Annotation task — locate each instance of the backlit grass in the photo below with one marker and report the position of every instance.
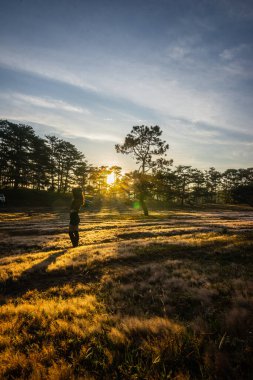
(166, 297)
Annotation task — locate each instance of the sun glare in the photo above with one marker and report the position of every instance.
(110, 178)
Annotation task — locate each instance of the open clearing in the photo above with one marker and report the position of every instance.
(164, 297)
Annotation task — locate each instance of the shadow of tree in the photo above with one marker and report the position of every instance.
(38, 276)
(191, 282)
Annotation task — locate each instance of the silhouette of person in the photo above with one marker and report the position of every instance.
(74, 218)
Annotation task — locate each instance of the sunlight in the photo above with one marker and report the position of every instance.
(110, 178)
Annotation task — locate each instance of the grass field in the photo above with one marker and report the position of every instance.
(164, 297)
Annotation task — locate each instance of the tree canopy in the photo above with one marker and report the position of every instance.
(53, 164)
(144, 143)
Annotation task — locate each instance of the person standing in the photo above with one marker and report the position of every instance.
(74, 218)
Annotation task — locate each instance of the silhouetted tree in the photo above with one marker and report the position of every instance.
(64, 159)
(245, 176)
(230, 179)
(184, 178)
(53, 144)
(16, 145)
(164, 180)
(126, 186)
(144, 143)
(40, 163)
(243, 194)
(198, 186)
(213, 181)
(81, 172)
(30, 161)
(98, 180)
(70, 159)
(27, 160)
(4, 164)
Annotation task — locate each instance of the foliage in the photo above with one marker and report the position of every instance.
(18, 147)
(144, 143)
(52, 164)
(243, 194)
(32, 162)
(23, 197)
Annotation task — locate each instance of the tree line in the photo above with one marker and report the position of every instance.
(53, 164)
(27, 160)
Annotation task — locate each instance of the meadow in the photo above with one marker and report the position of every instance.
(169, 296)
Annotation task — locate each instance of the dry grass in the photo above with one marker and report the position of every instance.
(164, 297)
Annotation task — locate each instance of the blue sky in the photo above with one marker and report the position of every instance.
(89, 70)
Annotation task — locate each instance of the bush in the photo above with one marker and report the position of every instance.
(243, 194)
(35, 198)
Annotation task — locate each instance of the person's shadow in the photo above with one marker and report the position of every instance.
(43, 265)
(35, 277)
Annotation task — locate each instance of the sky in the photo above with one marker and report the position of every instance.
(89, 70)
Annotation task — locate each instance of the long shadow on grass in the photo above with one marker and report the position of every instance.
(33, 277)
(37, 277)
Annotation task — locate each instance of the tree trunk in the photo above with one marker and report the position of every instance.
(143, 205)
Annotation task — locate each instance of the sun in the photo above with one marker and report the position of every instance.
(110, 178)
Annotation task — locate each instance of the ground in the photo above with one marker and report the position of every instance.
(168, 296)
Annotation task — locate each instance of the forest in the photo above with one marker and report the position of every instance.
(55, 165)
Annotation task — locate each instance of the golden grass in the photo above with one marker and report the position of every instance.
(12, 267)
(167, 297)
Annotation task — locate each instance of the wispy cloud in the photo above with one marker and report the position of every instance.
(49, 103)
(237, 61)
(149, 85)
(189, 72)
(229, 54)
(43, 63)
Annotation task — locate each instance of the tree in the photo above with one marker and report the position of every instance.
(81, 173)
(97, 180)
(4, 164)
(31, 161)
(16, 143)
(198, 191)
(243, 194)
(233, 179)
(126, 187)
(64, 160)
(52, 143)
(144, 143)
(114, 189)
(164, 180)
(184, 178)
(70, 158)
(213, 178)
(40, 163)
(230, 179)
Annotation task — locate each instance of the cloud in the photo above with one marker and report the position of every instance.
(178, 52)
(224, 136)
(230, 54)
(49, 103)
(42, 62)
(238, 61)
(165, 90)
(182, 73)
(61, 126)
